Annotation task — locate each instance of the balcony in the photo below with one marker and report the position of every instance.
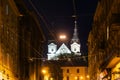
(113, 62)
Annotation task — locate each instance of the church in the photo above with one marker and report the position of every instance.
(73, 68)
(54, 51)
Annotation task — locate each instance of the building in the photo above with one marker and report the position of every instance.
(54, 53)
(19, 42)
(75, 73)
(67, 63)
(9, 17)
(104, 42)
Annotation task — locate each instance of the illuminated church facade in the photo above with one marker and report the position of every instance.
(54, 51)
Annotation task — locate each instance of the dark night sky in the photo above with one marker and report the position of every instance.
(58, 15)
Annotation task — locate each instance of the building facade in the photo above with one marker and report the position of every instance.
(66, 67)
(19, 43)
(75, 73)
(104, 42)
(9, 63)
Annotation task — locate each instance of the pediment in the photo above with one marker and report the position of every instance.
(63, 49)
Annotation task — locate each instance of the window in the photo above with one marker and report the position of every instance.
(107, 32)
(8, 60)
(74, 49)
(67, 77)
(78, 71)
(52, 50)
(6, 9)
(67, 70)
(63, 50)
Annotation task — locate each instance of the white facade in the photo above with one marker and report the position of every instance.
(53, 52)
(63, 49)
(75, 48)
(52, 48)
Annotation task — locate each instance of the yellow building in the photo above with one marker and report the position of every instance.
(104, 42)
(8, 40)
(17, 39)
(116, 72)
(65, 70)
(75, 73)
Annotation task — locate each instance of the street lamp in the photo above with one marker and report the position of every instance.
(81, 77)
(45, 72)
(88, 77)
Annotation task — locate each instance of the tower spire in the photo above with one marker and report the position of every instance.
(75, 34)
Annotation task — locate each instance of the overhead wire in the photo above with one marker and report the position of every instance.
(44, 22)
(39, 54)
(38, 13)
(36, 51)
(74, 9)
(71, 58)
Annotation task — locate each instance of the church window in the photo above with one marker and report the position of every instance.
(74, 49)
(63, 50)
(52, 49)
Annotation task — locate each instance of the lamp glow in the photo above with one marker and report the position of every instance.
(44, 71)
(62, 37)
(88, 76)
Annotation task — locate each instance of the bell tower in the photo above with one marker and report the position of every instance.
(75, 43)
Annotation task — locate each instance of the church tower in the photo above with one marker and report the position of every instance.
(75, 43)
(52, 48)
(75, 34)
